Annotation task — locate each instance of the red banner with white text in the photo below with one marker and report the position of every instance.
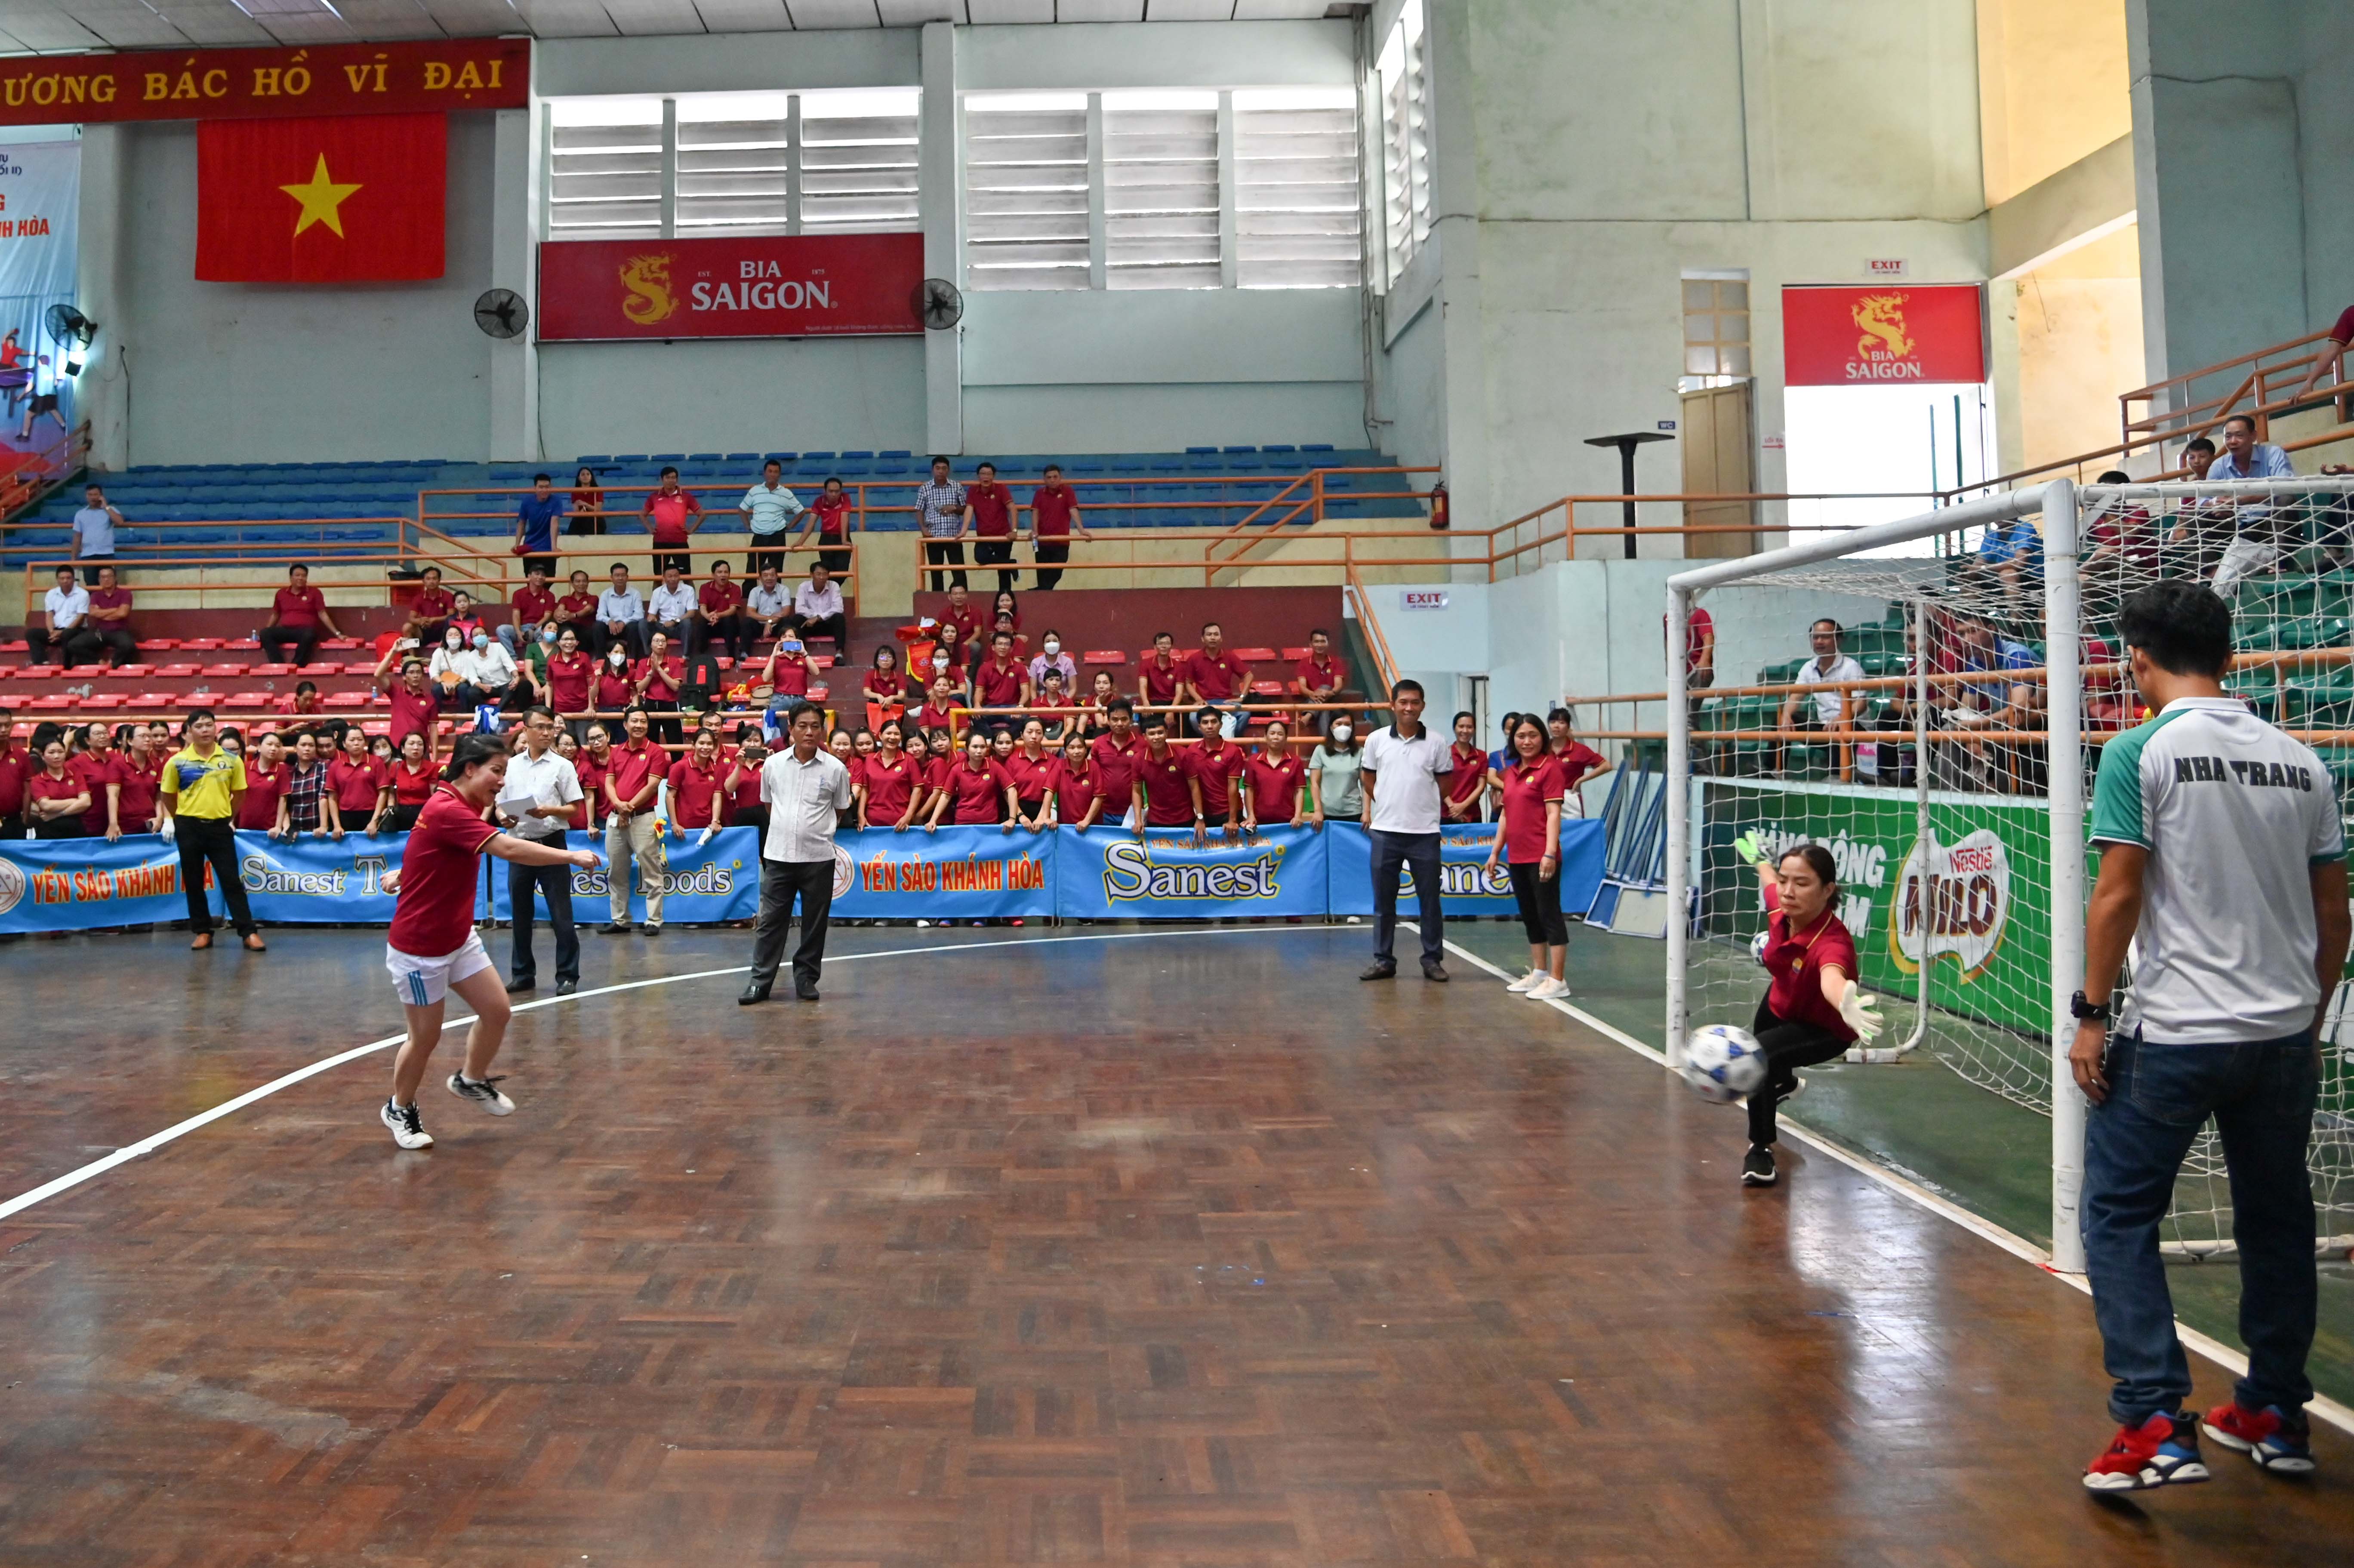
(429, 76)
(804, 285)
(1873, 336)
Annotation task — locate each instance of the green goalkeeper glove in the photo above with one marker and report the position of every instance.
(1751, 852)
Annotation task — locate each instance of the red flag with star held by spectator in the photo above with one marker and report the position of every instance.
(344, 199)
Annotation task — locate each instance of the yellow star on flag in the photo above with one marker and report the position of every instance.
(322, 199)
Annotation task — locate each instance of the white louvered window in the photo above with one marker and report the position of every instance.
(1026, 210)
(734, 164)
(1405, 71)
(605, 168)
(1298, 202)
(1161, 190)
(859, 161)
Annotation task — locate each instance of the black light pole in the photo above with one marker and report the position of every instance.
(1626, 445)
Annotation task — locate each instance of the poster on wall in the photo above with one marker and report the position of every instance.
(40, 194)
(803, 285)
(1883, 334)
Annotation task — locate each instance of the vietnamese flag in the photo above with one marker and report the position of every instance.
(341, 199)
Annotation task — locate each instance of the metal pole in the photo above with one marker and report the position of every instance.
(2065, 746)
(1626, 484)
(1679, 804)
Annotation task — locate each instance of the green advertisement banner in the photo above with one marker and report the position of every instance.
(1970, 900)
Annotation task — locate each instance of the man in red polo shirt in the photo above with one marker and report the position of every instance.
(989, 506)
(720, 616)
(1054, 523)
(633, 769)
(1215, 678)
(434, 605)
(1161, 683)
(16, 769)
(297, 613)
(1115, 753)
(109, 618)
(533, 605)
(415, 709)
(1217, 764)
(672, 516)
(694, 781)
(1166, 794)
(1319, 677)
(577, 611)
(960, 624)
(1003, 681)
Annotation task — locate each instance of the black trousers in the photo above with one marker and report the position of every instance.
(1417, 852)
(210, 841)
(665, 558)
(764, 556)
(781, 882)
(75, 645)
(556, 883)
(948, 551)
(734, 632)
(1540, 905)
(1787, 1046)
(834, 626)
(993, 552)
(276, 640)
(1057, 552)
(837, 561)
(632, 636)
(545, 563)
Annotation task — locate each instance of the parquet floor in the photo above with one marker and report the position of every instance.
(1172, 1252)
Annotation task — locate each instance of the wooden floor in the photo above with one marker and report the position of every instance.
(1185, 1250)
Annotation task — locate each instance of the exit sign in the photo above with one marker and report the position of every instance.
(1422, 599)
(1885, 267)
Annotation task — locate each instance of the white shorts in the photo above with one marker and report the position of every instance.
(422, 982)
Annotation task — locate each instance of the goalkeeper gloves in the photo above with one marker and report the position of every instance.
(1751, 852)
(1861, 1013)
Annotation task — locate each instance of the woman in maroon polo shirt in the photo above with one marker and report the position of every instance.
(265, 786)
(1271, 782)
(569, 672)
(1529, 841)
(413, 778)
(1031, 769)
(658, 675)
(976, 792)
(889, 786)
(357, 786)
(695, 786)
(56, 796)
(1077, 797)
(1466, 787)
(594, 761)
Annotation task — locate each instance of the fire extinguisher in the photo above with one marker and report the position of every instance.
(1438, 504)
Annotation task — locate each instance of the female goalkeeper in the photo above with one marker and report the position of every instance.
(1815, 1009)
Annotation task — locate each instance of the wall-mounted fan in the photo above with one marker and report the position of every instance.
(500, 313)
(939, 304)
(73, 331)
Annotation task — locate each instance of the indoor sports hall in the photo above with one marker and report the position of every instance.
(1175, 782)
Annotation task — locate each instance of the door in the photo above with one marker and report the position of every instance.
(1720, 459)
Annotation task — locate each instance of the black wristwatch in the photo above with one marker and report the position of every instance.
(2087, 1011)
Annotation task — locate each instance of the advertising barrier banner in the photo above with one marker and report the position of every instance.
(1108, 874)
(701, 882)
(1463, 855)
(954, 874)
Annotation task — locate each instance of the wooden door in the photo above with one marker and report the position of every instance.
(1720, 459)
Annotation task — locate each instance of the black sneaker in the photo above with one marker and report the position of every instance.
(483, 1092)
(518, 987)
(1757, 1167)
(407, 1127)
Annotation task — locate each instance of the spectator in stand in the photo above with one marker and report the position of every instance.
(265, 786)
(960, 623)
(786, 673)
(536, 519)
(1335, 769)
(1699, 653)
(829, 515)
(1000, 682)
(535, 803)
(1054, 524)
(1272, 790)
(1032, 767)
(1164, 793)
(2265, 531)
(887, 788)
(57, 797)
(818, 610)
(464, 616)
(671, 515)
(671, 609)
(614, 687)
(2010, 555)
(304, 705)
(989, 507)
(1984, 705)
(593, 763)
(1006, 609)
(1010, 624)
(298, 613)
(1402, 817)
(2200, 531)
(531, 664)
(1466, 787)
(769, 509)
(1319, 678)
(134, 782)
(768, 606)
(742, 782)
(109, 618)
(1076, 799)
(359, 788)
(17, 767)
(1050, 656)
(411, 696)
(1115, 753)
(806, 789)
(588, 504)
(701, 682)
(491, 670)
(1577, 761)
(885, 690)
(657, 676)
(577, 611)
(1834, 705)
(1216, 764)
(381, 748)
(533, 606)
(1214, 678)
(433, 605)
(1528, 839)
(200, 792)
(447, 672)
(2330, 361)
(411, 779)
(1160, 681)
(1094, 709)
(634, 776)
(940, 708)
(93, 532)
(93, 762)
(941, 517)
(845, 747)
(720, 616)
(1054, 707)
(233, 743)
(621, 615)
(68, 633)
(976, 791)
(695, 789)
(304, 805)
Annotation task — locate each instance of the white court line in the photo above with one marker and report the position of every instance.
(2214, 1350)
(129, 1152)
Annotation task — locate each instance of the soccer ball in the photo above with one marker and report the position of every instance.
(1757, 947)
(1722, 1063)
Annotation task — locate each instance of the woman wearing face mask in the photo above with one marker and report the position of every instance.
(1052, 656)
(490, 668)
(616, 687)
(1334, 787)
(446, 671)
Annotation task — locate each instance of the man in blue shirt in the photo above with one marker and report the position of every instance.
(1991, 704)
(536, 521)
(2263, 531)
(93, 532)
(2013, 554)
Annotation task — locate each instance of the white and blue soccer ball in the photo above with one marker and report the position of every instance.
(1757, 947)
(1723, 1063)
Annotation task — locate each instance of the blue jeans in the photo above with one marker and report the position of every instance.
(1419, 854)
(2261, 1094)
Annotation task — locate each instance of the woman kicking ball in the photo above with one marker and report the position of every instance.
(1815, 1009)
(435, 881)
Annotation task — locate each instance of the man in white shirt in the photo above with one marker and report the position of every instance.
(535, 804)
(93, 532)
(1400, 769)
(488, 667)
(1831, 707)
(817, 609)
(621, 615)
(771, 509)
(671, 609)
(68, 632)
(2261, 536)
(803, 787)
(770, 603)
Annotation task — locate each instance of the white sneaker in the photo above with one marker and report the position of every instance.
(923, 925)
(1528, 982)
(1546, 990)
(408, 1128)
(483, 1092)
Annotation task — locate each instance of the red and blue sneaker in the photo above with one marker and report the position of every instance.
(2163, 1451)
(2279, 1443)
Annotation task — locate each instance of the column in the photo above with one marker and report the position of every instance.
(937, 206)
(514, 224)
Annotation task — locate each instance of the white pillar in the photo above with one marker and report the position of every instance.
(104, 395)
(514, 225)
(1680, 826)
(936, 204)
(2062, 649)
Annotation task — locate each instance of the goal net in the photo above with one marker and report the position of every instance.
(1927, 699)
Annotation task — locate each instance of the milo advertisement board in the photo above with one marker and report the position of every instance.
(1969, 900)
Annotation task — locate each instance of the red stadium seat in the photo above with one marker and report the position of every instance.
(200, 644)
(85, 672)
(225, 672)
(1266, 688)
(313, 672)
(156, 702)
(341, 644)
(1256, 655)
(11, 702)
(104, 700)
(55, 703)
(271, 670)
(130, 673)
(179, 672)
(1110, 658)
(1295, 655)
(158, 644)
(244, 701)
(371, 728)
(18, 646)
(37, 673)
(344, 700)
(244, 645)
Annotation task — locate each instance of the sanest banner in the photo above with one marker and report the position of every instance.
(1108, 874)
(1463, 855)
(255, 84)
(808, 285)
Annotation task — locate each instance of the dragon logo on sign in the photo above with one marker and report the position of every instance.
(647, 280)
